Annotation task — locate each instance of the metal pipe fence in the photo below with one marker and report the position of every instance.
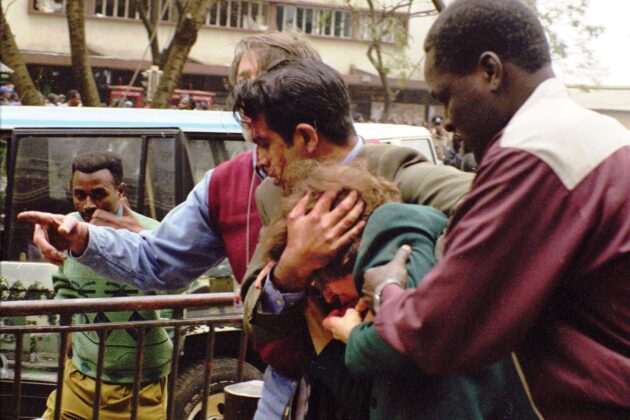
(182, 318)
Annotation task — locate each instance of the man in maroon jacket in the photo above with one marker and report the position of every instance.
(537, 259)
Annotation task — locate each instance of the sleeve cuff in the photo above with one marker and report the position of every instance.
(275, 302)
(390, 292)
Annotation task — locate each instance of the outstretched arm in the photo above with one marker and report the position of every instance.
(181, 249)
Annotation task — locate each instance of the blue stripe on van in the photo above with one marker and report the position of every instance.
(18, 123)
(68, 117)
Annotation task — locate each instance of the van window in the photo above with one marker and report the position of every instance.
(159, 179)
(207, 153)
(42, 175)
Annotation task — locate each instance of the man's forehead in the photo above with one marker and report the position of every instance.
(254, 129)
(429, 59)
(247, 67)
(102, 175)
(430, 69)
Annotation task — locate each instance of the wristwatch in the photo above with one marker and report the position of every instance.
(376, 299)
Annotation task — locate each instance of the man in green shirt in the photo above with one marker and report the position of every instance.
(97, 191)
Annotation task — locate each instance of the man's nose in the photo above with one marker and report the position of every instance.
(328, 296)
(262, 159)
(89, 204)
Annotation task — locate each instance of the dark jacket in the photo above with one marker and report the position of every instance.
(400, 389)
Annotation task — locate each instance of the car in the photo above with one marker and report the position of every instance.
(416, 137)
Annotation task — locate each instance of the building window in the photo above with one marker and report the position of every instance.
(390, 28)
(238, 14)
(243, 14)
(50, 6)
(115, 8)
(314, 21)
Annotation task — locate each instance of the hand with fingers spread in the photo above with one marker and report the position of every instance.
(377, 278)
(315, 237)
(55, 233)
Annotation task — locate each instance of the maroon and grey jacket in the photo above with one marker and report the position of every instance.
(537, 264)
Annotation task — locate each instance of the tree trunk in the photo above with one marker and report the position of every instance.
(81, 68)
(376, 59)
(150, 17)
(11, 56)
(177, 52)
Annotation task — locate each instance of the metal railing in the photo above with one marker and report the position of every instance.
(178, 303)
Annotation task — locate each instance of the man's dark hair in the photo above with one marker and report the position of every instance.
(294, 92)
(91, 162)
(467, 28)
(72, 93)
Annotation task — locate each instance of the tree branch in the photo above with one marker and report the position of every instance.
(150, 24)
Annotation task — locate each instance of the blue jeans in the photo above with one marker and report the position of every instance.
(277, 391)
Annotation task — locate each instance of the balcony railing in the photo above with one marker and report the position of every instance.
(194, 310)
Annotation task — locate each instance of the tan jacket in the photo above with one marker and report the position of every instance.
(419, 181)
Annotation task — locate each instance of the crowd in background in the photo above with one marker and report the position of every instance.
(450, 148)
(8, 96)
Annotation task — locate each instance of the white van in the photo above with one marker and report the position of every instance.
(166, 152)
(416, 137)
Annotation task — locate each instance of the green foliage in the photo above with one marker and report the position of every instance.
(4, 288)
(17, 291)
(570, 35)
(37, 291)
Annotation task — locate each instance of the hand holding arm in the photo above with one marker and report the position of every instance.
(394, 272)
(55, 233)
(315, 237)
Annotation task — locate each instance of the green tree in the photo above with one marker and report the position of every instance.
(569, 34)
(384, 28)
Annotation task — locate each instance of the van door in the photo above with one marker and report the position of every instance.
(3, 183)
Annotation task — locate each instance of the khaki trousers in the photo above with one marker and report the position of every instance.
(116, 399)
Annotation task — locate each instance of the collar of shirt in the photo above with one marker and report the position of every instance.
(353, 153)
(259, 171)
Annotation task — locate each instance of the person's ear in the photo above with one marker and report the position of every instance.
(121, 188)
(492, 69)
(307, 135)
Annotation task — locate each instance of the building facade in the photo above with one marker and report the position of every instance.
(613, 101)
(119, 45)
